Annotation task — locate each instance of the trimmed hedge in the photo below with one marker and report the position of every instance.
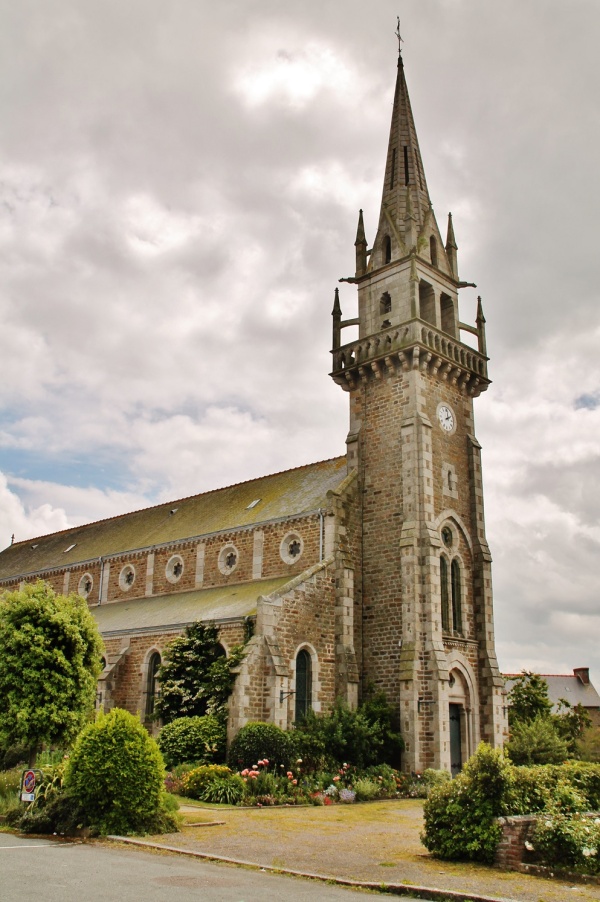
(201, 740)
(256, 741)
(116, 773)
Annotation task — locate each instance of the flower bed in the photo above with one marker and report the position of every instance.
(264, 784)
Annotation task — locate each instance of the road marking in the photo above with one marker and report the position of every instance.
(37, 845)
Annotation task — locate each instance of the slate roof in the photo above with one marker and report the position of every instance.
(179, 609)
(281, 495)
(567, 686)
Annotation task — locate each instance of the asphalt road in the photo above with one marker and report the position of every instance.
(41, 870)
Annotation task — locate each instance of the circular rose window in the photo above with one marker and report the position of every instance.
(228, 559)
(291, 548)
(127, 577)
(174, 568)
(86, 584)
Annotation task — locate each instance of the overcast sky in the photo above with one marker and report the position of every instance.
(180, 184)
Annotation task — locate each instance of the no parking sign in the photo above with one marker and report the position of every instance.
(28, 783)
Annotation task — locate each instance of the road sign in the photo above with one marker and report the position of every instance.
(28, 782)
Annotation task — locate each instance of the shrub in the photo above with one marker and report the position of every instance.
(258, 740)
(363, 737)
(13, 755)
(174, 778)
(588, 745)
(116, 771)
(10, 781)
(387, 778)
(536, 742)
(366, 790)
(570, 841)
(460, 815)
(193, 739)
(533, 788)
(432, 778)
(213, 783)
(61, 814)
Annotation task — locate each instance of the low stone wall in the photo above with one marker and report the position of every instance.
(516, 831)
(511, 850)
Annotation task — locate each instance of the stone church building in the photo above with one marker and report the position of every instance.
(368, 570)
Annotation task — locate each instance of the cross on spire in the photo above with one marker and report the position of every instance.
(399, 36)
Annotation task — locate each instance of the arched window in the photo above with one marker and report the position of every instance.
(445, 595)
(433, 250)
(303, 684)
(387, 249)
(151, 683)
(385, 303)
(456, 597)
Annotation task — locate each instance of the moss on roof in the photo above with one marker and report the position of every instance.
(283, 494)
(181, 608)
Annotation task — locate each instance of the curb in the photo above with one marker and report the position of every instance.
(393, 889)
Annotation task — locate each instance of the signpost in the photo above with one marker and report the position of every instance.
(29, 780)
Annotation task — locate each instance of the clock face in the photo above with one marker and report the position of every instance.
(446, 418)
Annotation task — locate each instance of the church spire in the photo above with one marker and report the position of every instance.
(405, 195)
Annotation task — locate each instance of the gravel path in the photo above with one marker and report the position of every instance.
(376, 842)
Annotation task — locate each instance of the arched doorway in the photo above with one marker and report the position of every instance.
(459, 721)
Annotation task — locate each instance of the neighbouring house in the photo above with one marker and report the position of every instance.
(576, 688)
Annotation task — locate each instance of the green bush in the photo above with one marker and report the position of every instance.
(116, 771)
(536, 742)
(569, 841)
(362, 737)
(12, 756)
(432, 778)
(533, 788)
(256, 741)
(213, 783)
(10, 782)
(386, 776)
(63, 814)
(460, 815)
(193, 739)
(366, 790)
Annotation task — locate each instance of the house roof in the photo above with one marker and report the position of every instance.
(179, 609)
(281, 495)
(568, 686)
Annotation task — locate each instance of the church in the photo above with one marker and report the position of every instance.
(370, 571)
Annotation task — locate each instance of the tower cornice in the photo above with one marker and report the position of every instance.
(414, 345)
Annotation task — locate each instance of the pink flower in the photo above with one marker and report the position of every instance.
(335, 779)
(289, 775)
(245, 772)
(265, 761)
(295, 782)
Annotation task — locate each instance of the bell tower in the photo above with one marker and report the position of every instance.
(427, 621)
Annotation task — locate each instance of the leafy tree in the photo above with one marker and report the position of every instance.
(50, 652)
(588, 744)
(528, 698)
(195, 676)
(536, 742)
(571, 722)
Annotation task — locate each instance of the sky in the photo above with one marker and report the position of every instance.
(180, 184)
